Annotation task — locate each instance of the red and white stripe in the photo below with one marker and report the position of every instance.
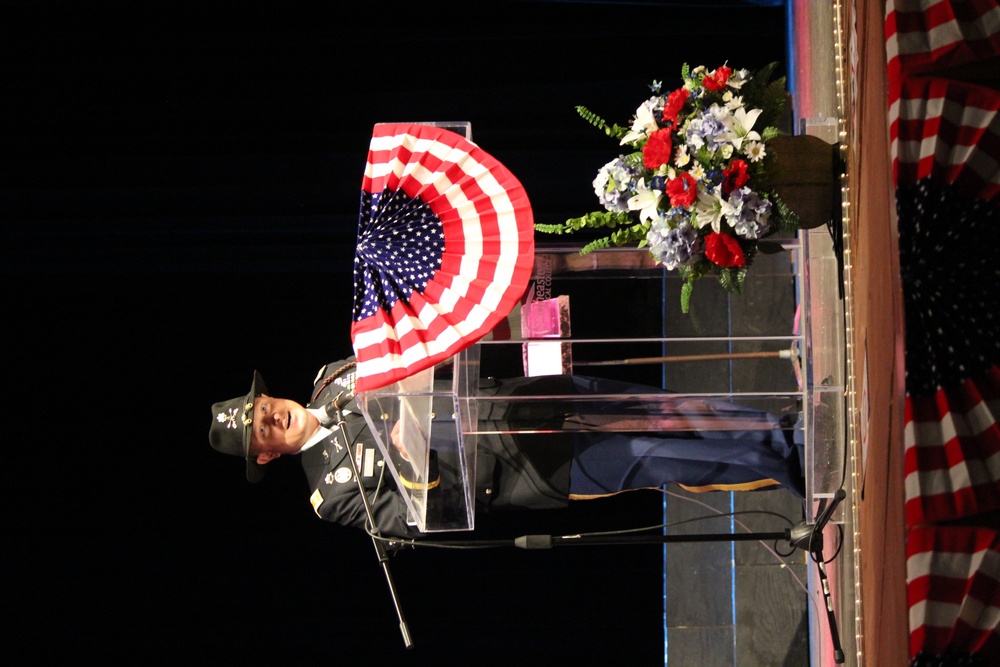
(947, 130)
(939, 126)
(952, 452)
(928, 35)
(488, 253)
(953, 590)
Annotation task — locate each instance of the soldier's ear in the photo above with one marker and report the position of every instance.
(267, 457)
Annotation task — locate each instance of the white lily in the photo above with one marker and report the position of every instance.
(740, 126)
(738, 78)
(646, 201)
(709, 210)
(644, 123)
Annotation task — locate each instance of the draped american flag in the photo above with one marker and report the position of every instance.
(445, 250)
(945, 136)
(945, 142)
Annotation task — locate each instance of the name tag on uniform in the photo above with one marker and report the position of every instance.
(365, 460)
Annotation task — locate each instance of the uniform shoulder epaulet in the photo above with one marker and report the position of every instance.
(320, 375)
(316, 499)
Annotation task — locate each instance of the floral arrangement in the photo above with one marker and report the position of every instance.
(694, 186)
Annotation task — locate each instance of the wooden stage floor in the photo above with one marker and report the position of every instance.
(850, 85)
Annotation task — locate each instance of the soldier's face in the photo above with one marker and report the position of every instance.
(280, 426)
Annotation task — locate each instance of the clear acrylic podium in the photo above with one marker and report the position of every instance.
(435, 470)
(777, 348)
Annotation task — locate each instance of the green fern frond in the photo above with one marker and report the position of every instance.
(599, 244)
(764, 74)
(591, 117)
(769, 133)
(600, 219)
(633, 159)
(741, 276)
(725, 280)
(686, 290)
(767, 95)
(592, 220)
(625, 235)
(626, 230)
(614, 131)
(772, 101)
(731, 279)
(787, 220)
(551, 228)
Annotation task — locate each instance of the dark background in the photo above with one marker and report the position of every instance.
(178, 191)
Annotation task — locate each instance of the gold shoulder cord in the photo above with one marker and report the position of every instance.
(333, 376)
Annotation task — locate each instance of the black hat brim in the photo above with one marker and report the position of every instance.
(255, 471)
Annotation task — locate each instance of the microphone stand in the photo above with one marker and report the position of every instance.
(805, 536)
(811, 539)
(380, 551)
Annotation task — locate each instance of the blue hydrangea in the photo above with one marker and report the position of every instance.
(706, 130)
(615, 184)
(674, 245)
(750, 214)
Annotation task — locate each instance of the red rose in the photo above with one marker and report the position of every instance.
(717, 79)
(735, 177)
(724, 250)
(682, 190)
(657, 149)
(675, 102)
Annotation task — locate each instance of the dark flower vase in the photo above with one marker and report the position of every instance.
(803, 171)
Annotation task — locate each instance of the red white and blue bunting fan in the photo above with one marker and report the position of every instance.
(445, 250)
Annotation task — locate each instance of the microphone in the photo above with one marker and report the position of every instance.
(342, 399)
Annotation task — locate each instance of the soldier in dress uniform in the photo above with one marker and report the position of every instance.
(511, 471)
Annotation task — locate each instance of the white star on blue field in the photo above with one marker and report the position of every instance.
(400, 242)
(947, 256)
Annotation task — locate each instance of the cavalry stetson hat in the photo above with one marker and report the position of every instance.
(231, 422)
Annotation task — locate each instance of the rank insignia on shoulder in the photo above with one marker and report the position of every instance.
(316, 499)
